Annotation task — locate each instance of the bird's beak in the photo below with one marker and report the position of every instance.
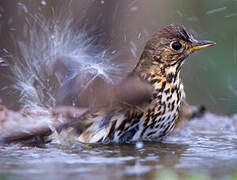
(197, 45)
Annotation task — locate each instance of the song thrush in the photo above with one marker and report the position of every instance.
(145, 106)
(148, 118)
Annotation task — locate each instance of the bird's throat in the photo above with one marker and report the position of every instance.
(160, 76)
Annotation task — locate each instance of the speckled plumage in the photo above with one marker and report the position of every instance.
(159, 66)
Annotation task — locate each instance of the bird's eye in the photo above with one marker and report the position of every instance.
(176, 46)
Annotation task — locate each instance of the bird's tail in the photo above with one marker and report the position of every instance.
(51, 54)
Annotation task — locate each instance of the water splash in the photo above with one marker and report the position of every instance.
(48, 41)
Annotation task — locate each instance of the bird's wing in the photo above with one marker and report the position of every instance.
(86, 90)
(133, 91)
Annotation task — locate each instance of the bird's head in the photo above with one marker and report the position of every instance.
(170, 46)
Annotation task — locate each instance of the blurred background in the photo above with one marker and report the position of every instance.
(124, 26)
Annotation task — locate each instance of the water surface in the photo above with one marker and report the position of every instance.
(207, 145)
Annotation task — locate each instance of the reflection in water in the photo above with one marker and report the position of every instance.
(89, 161)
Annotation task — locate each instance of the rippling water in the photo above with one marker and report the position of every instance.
(208, 145)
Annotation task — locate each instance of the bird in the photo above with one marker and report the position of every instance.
(146, 105)
(153, 114)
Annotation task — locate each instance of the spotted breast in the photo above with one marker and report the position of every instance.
(159, 66)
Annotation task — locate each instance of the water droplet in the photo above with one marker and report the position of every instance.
(102, 1)
(23, 6)
(113, 52)
(139, 145)
(133, 9)
(133, 49)
(139, 35)
(43, 3)
(193, 19)
(3, 89)
(52, 37)
(231, 15)
(73, 104)
(12, 29)
(216, 10)
(179, 13)
(5, 50)
(3, 62)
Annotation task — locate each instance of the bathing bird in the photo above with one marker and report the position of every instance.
(155, 112)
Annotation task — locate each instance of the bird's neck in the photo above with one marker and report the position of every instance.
(159, 75)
